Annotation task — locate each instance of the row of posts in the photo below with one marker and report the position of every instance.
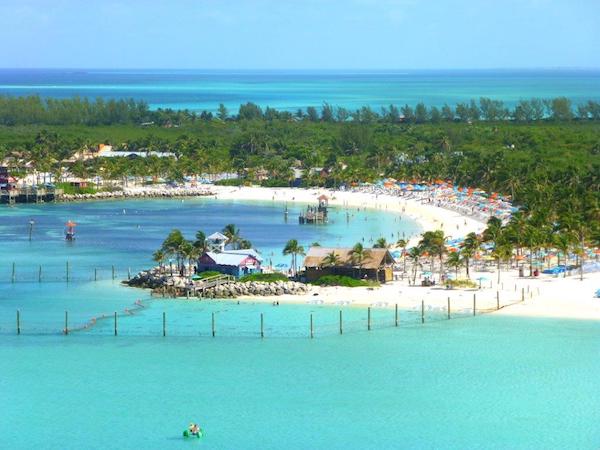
(262, 321)
(67, 273)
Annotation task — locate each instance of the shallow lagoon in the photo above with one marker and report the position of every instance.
(488, 382)
(484, 382)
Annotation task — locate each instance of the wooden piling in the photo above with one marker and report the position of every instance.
(164, 324)
(341, 328)
(396, 315)
(66, 322)
(18, 322)
(448, 309)
(497, 300)
(262, 324)
(522, 294)
(422, 311)
(95, 274)
(14, 273)
(311, 326)
(116, 323)
(369, 318)
(213, 324)
(474, 304)
(113, 272)
(40, 274)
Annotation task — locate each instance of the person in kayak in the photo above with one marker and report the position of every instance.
(194, 429)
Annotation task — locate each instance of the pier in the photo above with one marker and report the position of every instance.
(315, 214)
(29, 194)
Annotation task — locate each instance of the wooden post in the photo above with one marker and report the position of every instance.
(448, 308)
(113, 272)
(422, 311)
(522, 294)
(95, 274)
(66, 322)
(129, 273)
(262, 324)
(164, 324)
(341, 328)
(213, 324)
(528, 289)
(474, 304)
(40, 274)
(497, 300)
(14, 272)
(67, 271)
(369, 318)
(311, 326)
(116, 323)
(18, 322)
(396, 315)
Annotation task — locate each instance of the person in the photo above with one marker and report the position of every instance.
(191, 428)
(195, 429)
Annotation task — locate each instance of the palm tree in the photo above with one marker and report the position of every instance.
(563, 241)
(469, 248)
(415, 255)
(402, 244)
(159, 257)
(293, 248)
(455, 261)
(502, 252)
(200, 242)
(232, 233)
(358, 255)
(331, 259)
(434, 242)
(172, 244)
(381, 243)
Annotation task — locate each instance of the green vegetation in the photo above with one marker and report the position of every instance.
(208, 274)
(264, 277)
(543, 153)
(462, 284)
(69, 189)
(340, 280)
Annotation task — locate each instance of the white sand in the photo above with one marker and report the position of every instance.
(545, 296)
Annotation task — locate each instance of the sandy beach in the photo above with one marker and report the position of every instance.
(543, 296)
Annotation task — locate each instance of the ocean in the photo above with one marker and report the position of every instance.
(290, 90)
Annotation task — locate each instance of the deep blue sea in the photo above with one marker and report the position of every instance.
(289, 90)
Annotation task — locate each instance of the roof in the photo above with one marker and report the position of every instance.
(323, 197)
(217, 237)
(248, 252)
(375, 258)
(228, 259)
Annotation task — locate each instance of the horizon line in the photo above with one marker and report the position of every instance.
(341, 69)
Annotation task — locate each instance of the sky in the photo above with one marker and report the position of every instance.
(300, 34)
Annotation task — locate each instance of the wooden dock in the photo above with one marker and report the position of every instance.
(29, 195)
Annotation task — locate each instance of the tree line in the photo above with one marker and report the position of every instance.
(28, 110)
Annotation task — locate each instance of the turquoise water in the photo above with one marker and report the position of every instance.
(485, 382)
(124, 234)
(204, 90)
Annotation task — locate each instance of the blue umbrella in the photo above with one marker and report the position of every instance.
(281, 265)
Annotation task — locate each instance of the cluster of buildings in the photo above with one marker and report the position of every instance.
(377, 264)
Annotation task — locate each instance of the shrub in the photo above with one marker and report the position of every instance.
(264, 277)
(208, 274)
(67, 188)
(462, 283)
(340, 280)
